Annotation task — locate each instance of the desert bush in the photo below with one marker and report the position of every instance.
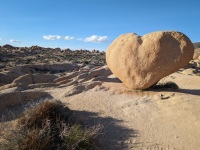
(49, 126)
(51, 111)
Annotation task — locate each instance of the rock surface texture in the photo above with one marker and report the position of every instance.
(141, 61)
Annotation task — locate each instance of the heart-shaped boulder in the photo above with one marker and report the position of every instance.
(141, 61)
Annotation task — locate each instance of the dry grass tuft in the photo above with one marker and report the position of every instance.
(49, 126)
(51, 111)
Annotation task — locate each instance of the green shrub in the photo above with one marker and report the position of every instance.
(166, 85)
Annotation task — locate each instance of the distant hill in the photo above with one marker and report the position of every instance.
(196, 45)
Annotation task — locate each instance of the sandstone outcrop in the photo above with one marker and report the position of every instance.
(14, 96)
(196, 55)
(27, 83)
(141, 61)
(34, 79)
(11, 74)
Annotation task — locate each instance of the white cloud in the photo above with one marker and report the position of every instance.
(14, 41)
(80, 39)
(52, 37)
(68, 38)
(0, 39)
(96, 39)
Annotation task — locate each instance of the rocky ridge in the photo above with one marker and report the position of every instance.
(11, 56)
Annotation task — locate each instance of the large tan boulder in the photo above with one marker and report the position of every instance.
(141, 61)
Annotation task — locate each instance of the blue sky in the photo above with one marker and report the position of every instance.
(92, 24)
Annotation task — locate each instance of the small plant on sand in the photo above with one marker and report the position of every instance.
(49, 126)
(166, 85)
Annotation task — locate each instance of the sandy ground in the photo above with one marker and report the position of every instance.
(142, 119)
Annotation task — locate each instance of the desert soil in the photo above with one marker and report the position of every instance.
(162, 120)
